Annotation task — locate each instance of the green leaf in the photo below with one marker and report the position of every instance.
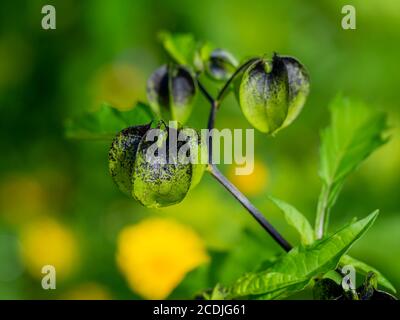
(217, 293)
(355, 132)
(105, 123)
(296, 219)
(295, 270)
(333, 275)
(182, 47)
(364, 269)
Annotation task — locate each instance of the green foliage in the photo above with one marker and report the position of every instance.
(301, 224)
(296, 219)
(364, 269)
(355, 132)
(295, 270)
(182, 48)
(271, 94)
(107, 122)
(47, 75)
(199, 56)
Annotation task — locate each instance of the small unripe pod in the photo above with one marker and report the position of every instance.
(154, 179)
(272, 93)
(171, 91)
(221, 65)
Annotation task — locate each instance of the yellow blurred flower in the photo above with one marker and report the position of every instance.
(21, 198)
(120, 84)
(155, 255)
(47, 242)
(253, 183)
(88, 291)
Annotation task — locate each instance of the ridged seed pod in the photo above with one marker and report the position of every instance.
(171, 91)
(272, 93)
(142, 165)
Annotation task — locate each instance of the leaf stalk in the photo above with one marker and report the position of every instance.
(214, 171)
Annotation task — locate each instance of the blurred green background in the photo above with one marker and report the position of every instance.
(59, 206)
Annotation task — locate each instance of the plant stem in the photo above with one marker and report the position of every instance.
(212, 168)
(205, 92)
(249, 207)
(210, 126)
(233, 76)
(321, 221)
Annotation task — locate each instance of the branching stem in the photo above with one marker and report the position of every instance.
(225, 88)
(256, 214)
(322, 218)
(212, 168)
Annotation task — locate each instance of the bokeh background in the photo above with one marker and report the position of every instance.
(58, 204)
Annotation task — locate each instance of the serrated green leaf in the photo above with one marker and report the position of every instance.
(355, 132)
(364, 269)
(295, 270)
(296, 219)
(105, 123)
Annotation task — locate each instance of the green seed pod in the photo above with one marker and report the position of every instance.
(272, 93)
(171, 91)
(299, 88)
(122, 156)
(264, 95)
(157, 166)
(221, 65)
